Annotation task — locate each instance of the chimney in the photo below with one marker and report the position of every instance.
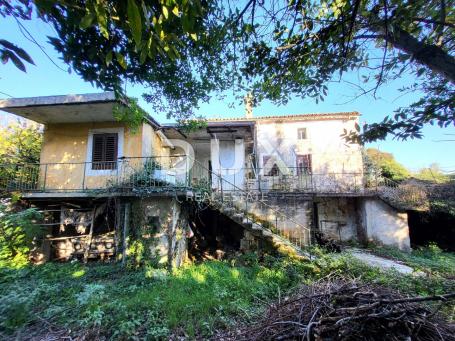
(248, 100)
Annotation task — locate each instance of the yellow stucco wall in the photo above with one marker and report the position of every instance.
(64, 154)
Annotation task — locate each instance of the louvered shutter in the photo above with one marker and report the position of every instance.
(111, 148)
(304, 164)
(104, 153)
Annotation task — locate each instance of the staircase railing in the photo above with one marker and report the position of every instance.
(227, 196)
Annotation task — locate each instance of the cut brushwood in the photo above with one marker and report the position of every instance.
(340, 309)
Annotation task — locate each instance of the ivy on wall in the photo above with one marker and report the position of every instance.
(130, 113)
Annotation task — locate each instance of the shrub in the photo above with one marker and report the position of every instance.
(17, 233)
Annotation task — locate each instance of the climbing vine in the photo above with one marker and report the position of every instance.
(130, 113)
(188, 126)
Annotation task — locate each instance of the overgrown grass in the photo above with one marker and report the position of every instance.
(193, 301)
(430, 259)
(196, 299)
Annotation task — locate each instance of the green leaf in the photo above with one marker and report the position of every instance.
(176, 11)
(135, 21)
(143, 56)
(120, 59)
(15, 59)
(109, 58)
(165, 12)
(187, 23)
(420, 72)
(101, 17)
(87, 21)
(193, 36)
(20, 52)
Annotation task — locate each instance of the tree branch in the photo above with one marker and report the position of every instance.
(370, 36)
(437, 22)
(432, 56)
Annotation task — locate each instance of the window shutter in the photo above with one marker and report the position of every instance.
(97, 152)
(104, 152)
(304, 164)
(111, 147)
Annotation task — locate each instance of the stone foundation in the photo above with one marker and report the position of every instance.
(162, 225)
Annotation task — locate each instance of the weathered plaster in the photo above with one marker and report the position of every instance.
(329, 151)
(386, 225)
(67, 143)
(337, 218)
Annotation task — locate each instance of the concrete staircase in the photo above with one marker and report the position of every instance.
(258, 236)
(260, 229)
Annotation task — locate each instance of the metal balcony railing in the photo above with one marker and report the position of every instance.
(177, 171)
(228, 189)
(294, 180)
(123, 174)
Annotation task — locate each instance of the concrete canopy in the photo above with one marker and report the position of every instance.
(63, 109)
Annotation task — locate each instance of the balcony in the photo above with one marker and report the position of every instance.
(124, 175)
(157, 174)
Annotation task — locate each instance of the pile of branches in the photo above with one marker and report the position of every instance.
(348, 310)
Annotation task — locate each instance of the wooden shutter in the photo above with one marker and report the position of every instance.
(304, 165)
(104, 152)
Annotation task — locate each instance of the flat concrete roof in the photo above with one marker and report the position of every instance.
(56, 100)
(64, 108)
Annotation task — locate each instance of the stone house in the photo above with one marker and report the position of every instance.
(281, 180)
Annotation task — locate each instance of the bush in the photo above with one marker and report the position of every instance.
(17, 233)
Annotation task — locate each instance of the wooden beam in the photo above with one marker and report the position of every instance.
(125, 231)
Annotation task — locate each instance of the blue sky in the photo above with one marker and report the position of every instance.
(47, 79)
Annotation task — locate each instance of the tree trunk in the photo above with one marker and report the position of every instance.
(432, 56)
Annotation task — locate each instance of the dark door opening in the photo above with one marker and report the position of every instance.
(215, 236)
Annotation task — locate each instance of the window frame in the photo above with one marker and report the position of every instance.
(299, 130)
(120, 141)
(304, 170)
(105, 164)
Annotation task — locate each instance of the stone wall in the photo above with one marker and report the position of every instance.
(337, 218)
(161, 225)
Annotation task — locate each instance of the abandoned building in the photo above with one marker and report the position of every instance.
(235, 184)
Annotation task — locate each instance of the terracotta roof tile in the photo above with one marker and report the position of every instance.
(335, 115)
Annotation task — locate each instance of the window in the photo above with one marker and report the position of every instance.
(104, 151)
(304, 164)
(301, 134)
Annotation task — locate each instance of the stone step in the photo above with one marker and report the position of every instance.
(248, 225)
(228, 210)
(247, 221)
(238, 217)
(257, 226)
(267, 233)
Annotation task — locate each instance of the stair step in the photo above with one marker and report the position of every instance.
(257, 226)
(247, 221)
(237, 217)
(228, 210)
(266, 233)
